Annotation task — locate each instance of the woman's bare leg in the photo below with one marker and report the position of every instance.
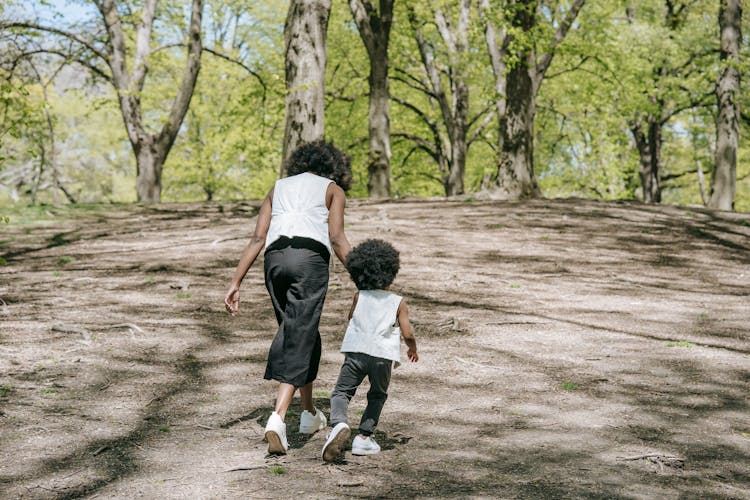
(284, 398)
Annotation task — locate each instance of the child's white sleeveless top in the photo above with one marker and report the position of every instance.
(299, 209)
(372, 329)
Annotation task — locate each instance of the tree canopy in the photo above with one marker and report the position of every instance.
(621, 100)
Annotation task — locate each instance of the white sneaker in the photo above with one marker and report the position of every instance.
(366, 446)
(310, 424)
(337, 437)
(276, 435)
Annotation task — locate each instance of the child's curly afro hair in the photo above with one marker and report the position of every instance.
(323, 159)
(373, 264)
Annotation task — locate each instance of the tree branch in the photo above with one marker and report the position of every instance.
(192, 66)
(562, 31)
(569, 70)
(242, 65)
(71, 36)
(478, 131)
(142, 45)
(69, 57)
(421, 114)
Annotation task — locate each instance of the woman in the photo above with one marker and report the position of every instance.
(300, 221)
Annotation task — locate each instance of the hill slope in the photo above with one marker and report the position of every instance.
(568, 348)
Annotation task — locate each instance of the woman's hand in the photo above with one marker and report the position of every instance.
(232, 301)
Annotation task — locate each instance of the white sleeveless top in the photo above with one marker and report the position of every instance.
(372, 329)
(299, 209)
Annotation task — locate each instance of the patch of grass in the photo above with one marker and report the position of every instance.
(48, 390)
(65, 260)
(361, 412)
(470, 199)
(745, 435)
(569, 386)
(702, 317)
(495, 226)
(183, 295)
(56, 274)
(319, 393)
(150, 279)
(5, 391)
(680, 343)
(58, 240)
(164, 428)
(276, 470)
(3, 262)
(515, 285)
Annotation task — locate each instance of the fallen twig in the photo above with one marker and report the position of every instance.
(246, 467)
(652, 455)
(133, 327)
(71, 329)
(474, 363)
(100, 450)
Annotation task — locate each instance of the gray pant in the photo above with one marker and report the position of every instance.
(356, 366)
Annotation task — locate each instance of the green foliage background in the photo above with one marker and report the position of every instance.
(229, 147)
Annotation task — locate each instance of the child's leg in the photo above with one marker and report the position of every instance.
(352, 373)
(379, 374)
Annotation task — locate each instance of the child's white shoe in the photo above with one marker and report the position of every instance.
(276, 435)
(337, 437)
(365, 446)
(310, 424)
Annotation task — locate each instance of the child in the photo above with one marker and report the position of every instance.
(371, 345)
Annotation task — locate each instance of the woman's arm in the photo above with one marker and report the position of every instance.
(336, 201)
(407, 332)
(251, 252)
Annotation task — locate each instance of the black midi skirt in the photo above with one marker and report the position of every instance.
(296, 271)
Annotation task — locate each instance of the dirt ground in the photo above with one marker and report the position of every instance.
(569, 349)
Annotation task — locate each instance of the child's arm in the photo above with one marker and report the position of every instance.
(407, 332)
(251, 252)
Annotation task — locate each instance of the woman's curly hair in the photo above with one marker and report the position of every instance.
(323, 159)
(373, 264)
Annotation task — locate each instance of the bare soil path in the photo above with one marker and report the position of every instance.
(568, 348)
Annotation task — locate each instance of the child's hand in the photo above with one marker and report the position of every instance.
(412, 355)
(232, 301)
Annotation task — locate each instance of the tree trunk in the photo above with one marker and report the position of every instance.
(454, 108)
(374, 29)
(723, 182)
(648, 144)
(517, 88)
(305, 57)
(454, 183)
(515, 169)
(379, 116)
(150, 150)
(149, 163)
